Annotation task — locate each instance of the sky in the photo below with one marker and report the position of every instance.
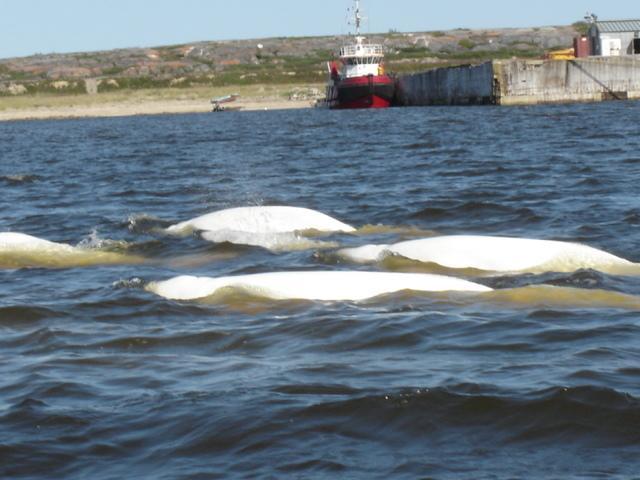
(28, 27)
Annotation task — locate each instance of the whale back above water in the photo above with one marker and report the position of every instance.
(14, 241)
(264, 220)
(320, 286)
(19, 250)
(497, 254)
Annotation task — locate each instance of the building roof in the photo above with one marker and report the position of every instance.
(616, 26)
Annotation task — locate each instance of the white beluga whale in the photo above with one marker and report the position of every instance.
(274, 228)
(312, 285)
(18, 250)
(263, 220)
(14, 241)
(497, 255)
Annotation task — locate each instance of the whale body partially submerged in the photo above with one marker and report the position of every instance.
(266, 220)
(18, 250)
(14, 241)
(497, 254)
(321, 286)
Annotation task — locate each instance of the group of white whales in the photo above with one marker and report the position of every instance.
(276, 227)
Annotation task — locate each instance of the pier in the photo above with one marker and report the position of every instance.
(524, 82)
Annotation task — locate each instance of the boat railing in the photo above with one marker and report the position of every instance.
(362, 51)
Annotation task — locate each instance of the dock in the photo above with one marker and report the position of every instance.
(524, 82)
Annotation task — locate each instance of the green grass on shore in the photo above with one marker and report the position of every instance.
(272, 76)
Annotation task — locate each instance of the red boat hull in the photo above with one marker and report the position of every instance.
(373, 91)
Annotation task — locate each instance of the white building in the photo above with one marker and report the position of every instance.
(615, 38)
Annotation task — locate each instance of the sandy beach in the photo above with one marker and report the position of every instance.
(154, 102)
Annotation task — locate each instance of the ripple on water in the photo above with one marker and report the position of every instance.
(101, 379)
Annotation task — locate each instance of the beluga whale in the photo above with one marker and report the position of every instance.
(271, 227)
(496, 255)
(311, 285)
(19, 250)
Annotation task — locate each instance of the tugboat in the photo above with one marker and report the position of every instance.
(358, 79)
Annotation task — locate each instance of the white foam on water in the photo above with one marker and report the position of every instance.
(94, 242)
(497, 254)
(320, 286)
(263, 220)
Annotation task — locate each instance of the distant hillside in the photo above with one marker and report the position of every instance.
(262, 61)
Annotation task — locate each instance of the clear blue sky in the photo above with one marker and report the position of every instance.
(45, 26)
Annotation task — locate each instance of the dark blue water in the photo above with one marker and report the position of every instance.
(101, 379)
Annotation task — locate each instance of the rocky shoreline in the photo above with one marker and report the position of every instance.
(109, 83)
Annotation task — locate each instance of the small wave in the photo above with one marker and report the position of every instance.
(427, 145)
(145, 224)
(94, 242)
(406, 231)
(21, 314)
(590, 182)
(477, 210)
(19, 179)
(547, 296)
(461, 209)
(131, 283)
(589, 279)
(590, 415)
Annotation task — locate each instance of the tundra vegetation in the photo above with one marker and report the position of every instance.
(256, 66)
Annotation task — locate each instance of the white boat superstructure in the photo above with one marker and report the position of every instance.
(358, 79)
(361, 59)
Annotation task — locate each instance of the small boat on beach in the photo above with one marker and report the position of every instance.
(358, 79)
(218, 103)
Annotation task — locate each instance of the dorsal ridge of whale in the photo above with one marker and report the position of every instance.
(22, 242)
(263, 219)
(504, 254)
(496, 254)
(19, 250)
(313, 285)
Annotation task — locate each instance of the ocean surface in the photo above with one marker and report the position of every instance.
(102, 379)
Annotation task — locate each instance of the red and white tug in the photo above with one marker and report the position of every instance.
(358, 79)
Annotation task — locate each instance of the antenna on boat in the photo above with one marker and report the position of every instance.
(357, 20)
